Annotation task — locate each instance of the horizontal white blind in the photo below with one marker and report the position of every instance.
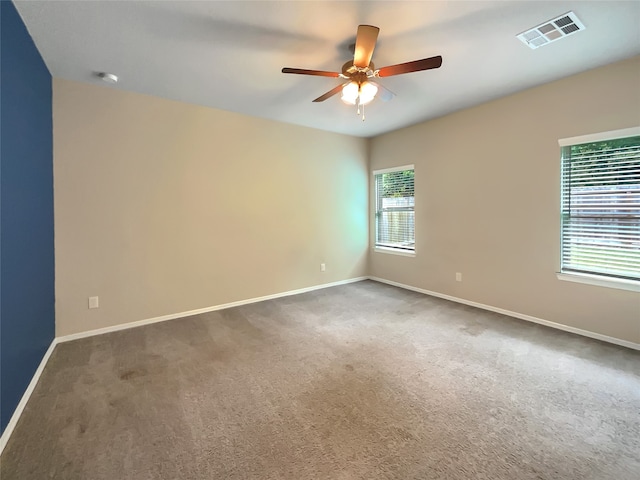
(601, 208)
(395, 202)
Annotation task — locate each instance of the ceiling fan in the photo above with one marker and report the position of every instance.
(360, 90)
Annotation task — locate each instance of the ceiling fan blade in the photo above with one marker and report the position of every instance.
(365, 43)
(415, 66)
(330, 93)
(302, 71)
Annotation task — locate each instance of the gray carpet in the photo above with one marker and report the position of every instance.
(363, 381)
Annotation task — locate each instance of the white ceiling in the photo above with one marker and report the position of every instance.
(229, 55)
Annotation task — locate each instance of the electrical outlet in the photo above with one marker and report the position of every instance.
(458, 277)
(93, 302)
(323, 267)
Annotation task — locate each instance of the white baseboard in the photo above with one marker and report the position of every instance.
(521, 316)
(173, 316)
(25, 397)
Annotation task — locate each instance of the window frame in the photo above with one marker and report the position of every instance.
(595, 278)
(405, 252)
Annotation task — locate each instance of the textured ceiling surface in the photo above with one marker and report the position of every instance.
(229, 54)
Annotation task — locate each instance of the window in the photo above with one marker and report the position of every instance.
(601, 205)
(395, 216)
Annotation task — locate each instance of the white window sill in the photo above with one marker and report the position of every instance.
(395, 251)
(600, 281)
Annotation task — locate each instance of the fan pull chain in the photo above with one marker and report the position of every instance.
(359, 105)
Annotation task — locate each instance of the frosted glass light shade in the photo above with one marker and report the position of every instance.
(350, 93)
(367, 92)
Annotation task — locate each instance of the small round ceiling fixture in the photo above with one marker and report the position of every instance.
(107, 77)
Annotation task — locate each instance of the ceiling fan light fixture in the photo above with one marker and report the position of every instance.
(360, 93)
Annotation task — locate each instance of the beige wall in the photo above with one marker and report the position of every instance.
(163, 207)
(488, 202)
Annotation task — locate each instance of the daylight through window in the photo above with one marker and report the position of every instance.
(395, 202)
(601, 207)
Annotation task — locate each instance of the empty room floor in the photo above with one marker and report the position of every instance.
(361, 381)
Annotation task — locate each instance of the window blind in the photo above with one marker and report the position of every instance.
(601, 208)
(395, 203)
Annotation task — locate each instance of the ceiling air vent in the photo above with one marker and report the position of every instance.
(551, 31)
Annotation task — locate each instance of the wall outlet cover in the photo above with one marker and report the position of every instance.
(93, 302)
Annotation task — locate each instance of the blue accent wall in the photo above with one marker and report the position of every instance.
(27, 313)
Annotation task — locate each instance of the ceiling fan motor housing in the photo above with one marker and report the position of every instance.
(349, 69)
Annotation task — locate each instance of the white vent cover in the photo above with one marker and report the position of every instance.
(551, 31)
